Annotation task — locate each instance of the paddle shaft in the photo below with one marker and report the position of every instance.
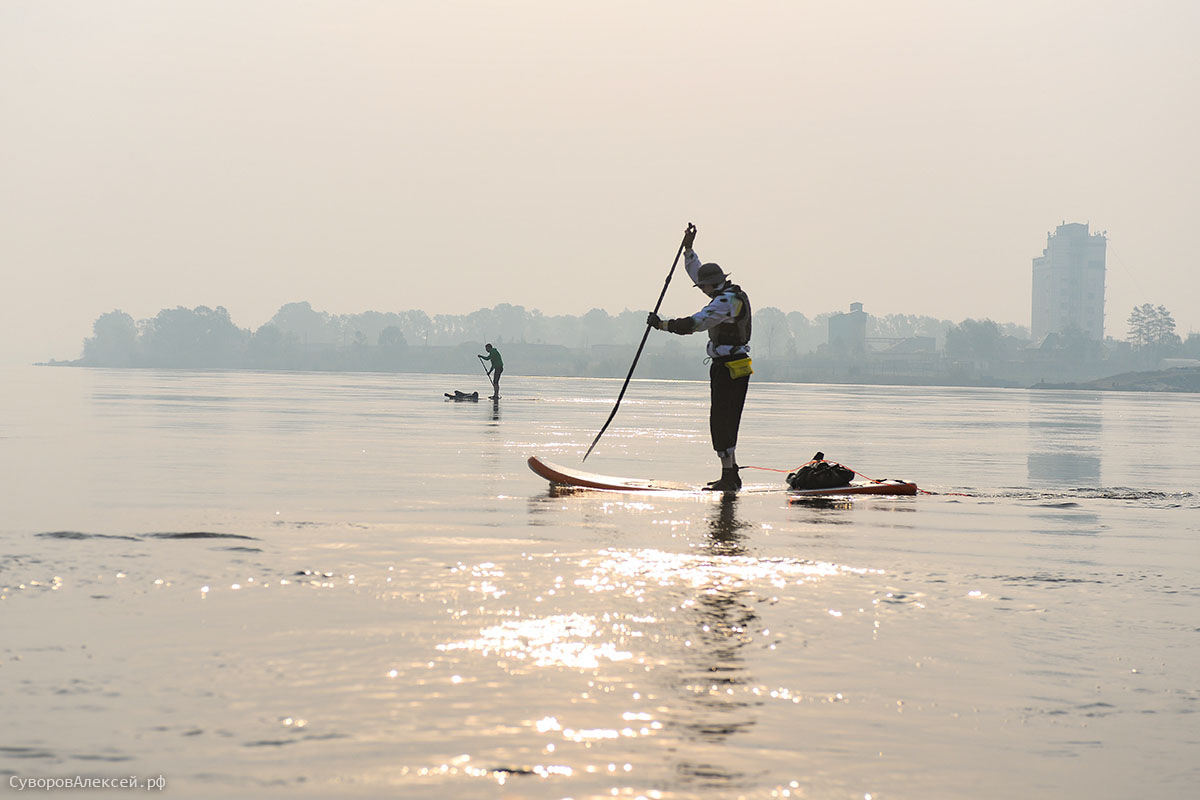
(638, 354)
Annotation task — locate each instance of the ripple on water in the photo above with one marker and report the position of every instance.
(82, 536)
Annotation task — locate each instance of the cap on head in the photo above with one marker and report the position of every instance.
(710, 274)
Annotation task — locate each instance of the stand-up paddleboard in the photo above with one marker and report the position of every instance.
(567, 476)
(559, 475)
(875, 487)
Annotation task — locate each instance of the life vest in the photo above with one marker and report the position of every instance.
(736, 331)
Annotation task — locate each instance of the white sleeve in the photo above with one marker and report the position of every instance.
(723, 308)
(691, 262)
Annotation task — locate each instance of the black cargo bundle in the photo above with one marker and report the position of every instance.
(820, 474)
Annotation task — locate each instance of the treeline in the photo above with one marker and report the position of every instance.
(300, 337)
(896, 348)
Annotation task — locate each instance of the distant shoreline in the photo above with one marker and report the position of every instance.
(1180, 380)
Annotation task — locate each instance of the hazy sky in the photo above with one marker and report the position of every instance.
(448, 156)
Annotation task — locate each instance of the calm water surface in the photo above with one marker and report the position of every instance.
(261, 584)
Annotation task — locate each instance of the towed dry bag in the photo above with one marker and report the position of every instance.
(820, 474)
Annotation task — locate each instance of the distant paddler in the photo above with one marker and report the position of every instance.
(497, 368)
(727, 320)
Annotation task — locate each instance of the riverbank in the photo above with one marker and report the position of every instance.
(1186, 379)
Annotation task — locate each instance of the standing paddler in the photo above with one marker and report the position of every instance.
(493, 356)
(727, 320)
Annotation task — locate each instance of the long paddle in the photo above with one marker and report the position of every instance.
(690, 229)
(487, 372)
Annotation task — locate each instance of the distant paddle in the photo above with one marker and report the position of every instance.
(691, 229)
(487, 372)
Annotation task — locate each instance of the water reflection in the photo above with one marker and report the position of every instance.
(725, 530)
(678, 628)
(1065, 433)
(825, 503)
(1056, 514)
(713, 703)
(558, 640)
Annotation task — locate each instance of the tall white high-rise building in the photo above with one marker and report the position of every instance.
(1068, 283)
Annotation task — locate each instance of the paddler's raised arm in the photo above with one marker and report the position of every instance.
(691, 261)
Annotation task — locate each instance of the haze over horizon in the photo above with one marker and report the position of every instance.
(366, 155)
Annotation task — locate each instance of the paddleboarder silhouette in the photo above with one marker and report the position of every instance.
(727, 320)
(493, 356)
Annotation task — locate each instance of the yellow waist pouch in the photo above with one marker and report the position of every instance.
(739, 369)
